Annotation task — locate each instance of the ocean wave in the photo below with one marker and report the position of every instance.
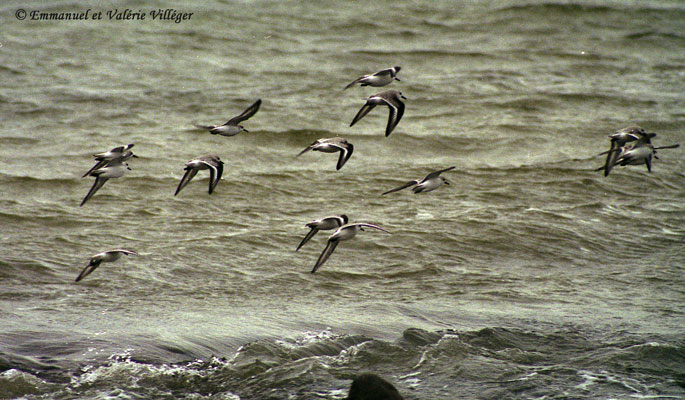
(428, 53)
(657, 35)
(492, 361)
(564, 8)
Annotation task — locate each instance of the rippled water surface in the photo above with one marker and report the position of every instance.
(530, 276)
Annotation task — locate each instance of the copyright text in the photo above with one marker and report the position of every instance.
(166, 15)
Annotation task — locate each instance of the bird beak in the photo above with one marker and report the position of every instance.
(245, 130)
(447, 182)
(134, 156)
(403, 96)
(397, 79)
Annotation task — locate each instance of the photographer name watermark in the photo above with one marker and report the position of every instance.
(127, 14)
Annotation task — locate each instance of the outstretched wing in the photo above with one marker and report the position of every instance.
(99, 181)
(673, 146)
(406, 185)
(612, 156)
(87, 270)
(248, 113)
(306, 149)
(111, 153)
(387, 71)
(126, 252)
(435, 174)
(364, 224)
(362, 112)
(353, 82)
(215, 172)
(310, 235)
(345, 154)
(648, 162)
(190, 173)
(98, 165)
(332, 244)
(396, 113)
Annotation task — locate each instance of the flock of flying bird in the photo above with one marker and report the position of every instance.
(629, 146)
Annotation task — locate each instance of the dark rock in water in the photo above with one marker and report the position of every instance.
(372, 387)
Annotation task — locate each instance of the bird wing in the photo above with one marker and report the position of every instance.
(310, 235)
(127, 252)
(372, 226)
(362, 112)
(98, 165)
(215, 172)
(330, 246)
(435, 174)
(673, 146)
(612, 156)
(99, 181)
(354, 81)
(345, 154)
(190, 173)
(406, 185)
(107, 154)
(387, 71)
(88, 269)
(120, 160)
(311, 146)
(248, 113)
(396, 112)
(219, 172)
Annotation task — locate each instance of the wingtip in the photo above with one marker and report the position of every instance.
(349, 85)
(303, 151)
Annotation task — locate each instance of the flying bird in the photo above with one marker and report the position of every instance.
(380, 78)
(114, 169)
(631, 146)
(390, 98)
(119, 154)
(105, 256)
(430, 182)
(345, 232)
(619, 139)
(210, 162)
(323, 224)
(636, 153)
(232, 127)
(331, 145)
